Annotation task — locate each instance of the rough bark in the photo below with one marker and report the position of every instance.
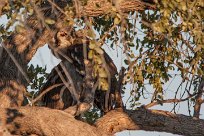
(4, 131)
(155, 120)
(151, 120)
(44, 121)
(199, 100)
(99, 7)
(2, 3)
(12, 82)
(15, 53)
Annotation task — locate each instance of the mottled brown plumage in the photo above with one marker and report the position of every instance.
(72, 47)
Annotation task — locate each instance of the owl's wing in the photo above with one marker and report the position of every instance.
(60, 97)
(111, 65)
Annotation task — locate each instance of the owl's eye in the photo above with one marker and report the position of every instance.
(63, 34)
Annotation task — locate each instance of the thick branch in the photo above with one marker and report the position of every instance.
(99, 7)
(44, 121)
(151, 120)
(12, 82)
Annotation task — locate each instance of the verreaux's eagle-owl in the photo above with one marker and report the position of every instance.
(69, 49)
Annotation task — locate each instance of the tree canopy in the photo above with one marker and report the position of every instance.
(157, 38)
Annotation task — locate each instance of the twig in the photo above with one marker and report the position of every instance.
(72, 89)
(167, 101)
(44, 92)
(106, 34)
(170, 101)
(109, 80)
(60, 53)
(175, 97)
(77, 5)
(62, 92)
(93, 90)
(119, 101)
(55, 5)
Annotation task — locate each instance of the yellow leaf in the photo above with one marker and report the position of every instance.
(49, 21)
(90, 54)
(114, 9)
(98, 59)
(116, 20)
(19, 29)
(98, 50)
(92, 44)
(102, 73)
(91, 34)
(103, 84)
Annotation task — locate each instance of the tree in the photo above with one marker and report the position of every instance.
(172, 41)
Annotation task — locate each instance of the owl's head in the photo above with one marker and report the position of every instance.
(69, 37)
(64, 38)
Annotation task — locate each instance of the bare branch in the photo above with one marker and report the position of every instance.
(118, 93)
(109, 80)
(44, 92)
(170, 101)
(150, 120)
(199, 100)
(69, 84)
(166, 101)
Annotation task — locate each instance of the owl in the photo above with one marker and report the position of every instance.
(70, 46)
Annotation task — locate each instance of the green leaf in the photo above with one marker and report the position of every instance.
(126, 62)
(131, 44)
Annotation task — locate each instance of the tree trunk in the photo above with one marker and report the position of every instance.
(15, 53)
(12, 82)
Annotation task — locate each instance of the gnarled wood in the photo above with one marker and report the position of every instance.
(44, 122)
(50, 122)
(151, 120)
(12, 82)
